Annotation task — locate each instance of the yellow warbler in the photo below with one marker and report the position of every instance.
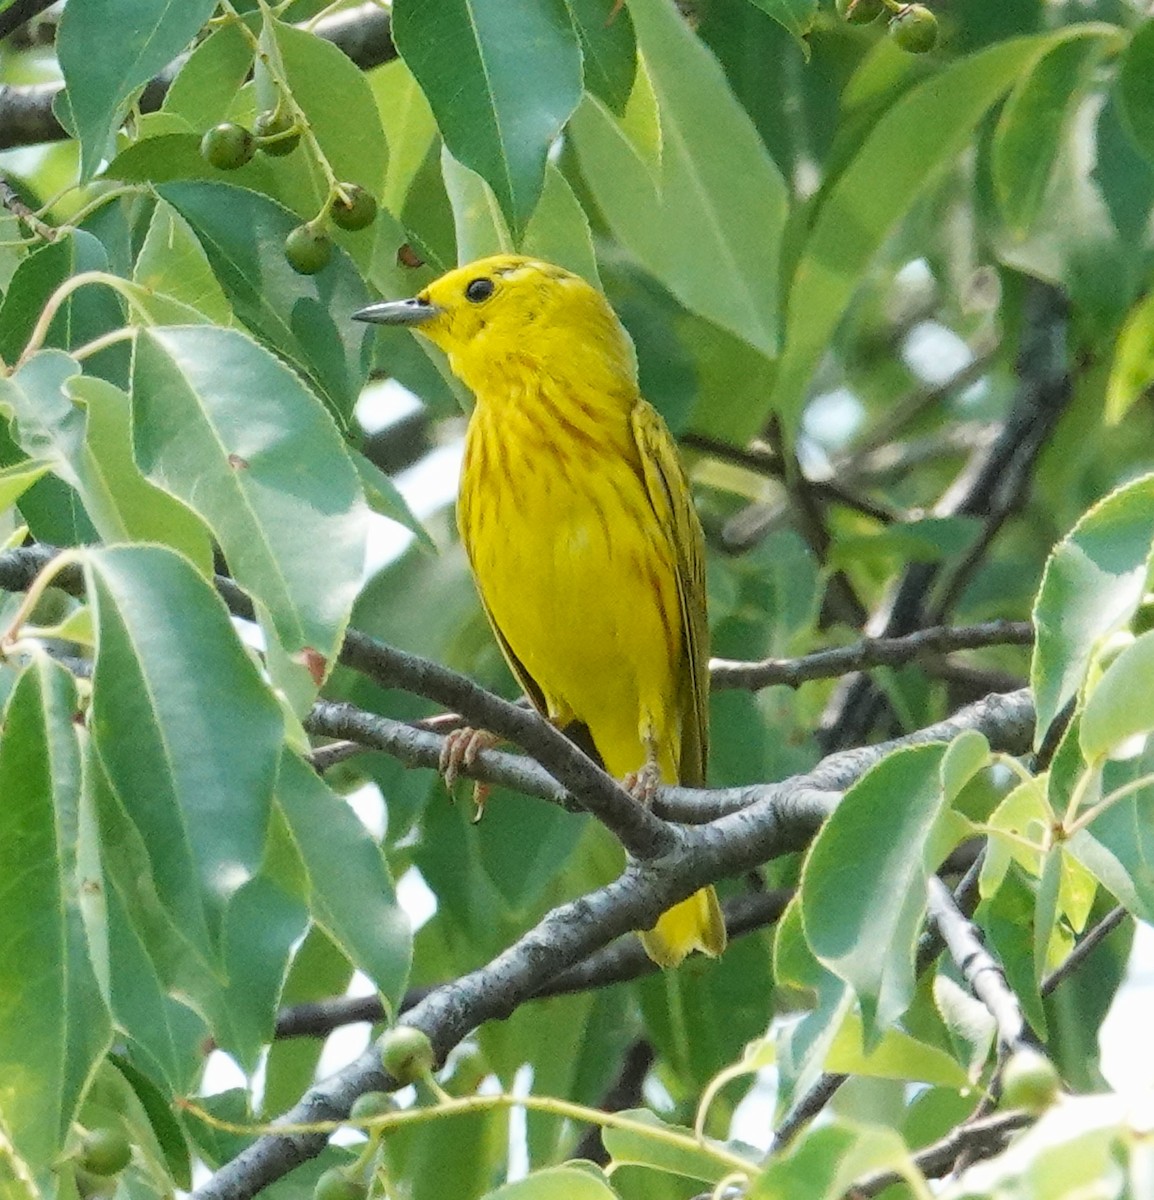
(580, 529)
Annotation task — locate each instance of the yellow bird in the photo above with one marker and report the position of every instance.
(579, 526)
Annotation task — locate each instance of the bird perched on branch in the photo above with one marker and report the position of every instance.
(580, 530)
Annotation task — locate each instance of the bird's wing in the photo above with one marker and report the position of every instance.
(672, 503)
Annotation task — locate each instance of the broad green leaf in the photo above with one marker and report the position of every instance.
(502, 80)
(303, 317)
(608, 49)
(89, 312)
(863, 889)
(556, 1183)
(409, 129)
(53, 1024)
(708, 224)
(194, 771)
(213, 73)
(1121, 704)
(230, 430)
(909, 147)
(165, 1127)
(795, 15)
(1132, 370)
(898, 1055)
(384, 498)
(480, 227)
(262, 925)
(83, 426)
(825, 1162)
(1036, 118)
(109, 50)
(628, 1147)
(1092, 586)
(1137, 101)
(17, 479)
(341, 112)
(558, 230)
(173, 263)
(349, 892)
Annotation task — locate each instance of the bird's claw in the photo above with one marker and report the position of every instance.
(642, 785)
(460, 749)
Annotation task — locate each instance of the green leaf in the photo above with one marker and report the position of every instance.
(1037, 116)
(898, 1055)
(909, 147)
(303, 317)
(825, 1162)
(165, 1127)
(109, 50)
(863, 889)
(1121, 704)
(195, 774)
(558, 230)
(204, 88)
(608, 49)
(341, 112)
(1134, 93)
(556, 1183)
(349, 891)
(1092, 585)
(53, 1024)
(384, 498)
(83, 426)
(236, 435)
(478, 223)
(1132, 370)
(797, 16)
(706, 216)
(18, 478)
(172, 262)
(636, 1147)
(502, 80)
(409, 129)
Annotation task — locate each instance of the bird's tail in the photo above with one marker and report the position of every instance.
(694, 924)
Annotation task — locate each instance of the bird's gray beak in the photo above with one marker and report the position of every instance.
(397, 312)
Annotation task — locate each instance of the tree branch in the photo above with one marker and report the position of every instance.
(19, 13)
(26, 117)
(866, 654)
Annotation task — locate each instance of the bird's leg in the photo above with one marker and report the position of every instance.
(642, 784)
(460, 748)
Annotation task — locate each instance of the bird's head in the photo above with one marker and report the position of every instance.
(508, 309)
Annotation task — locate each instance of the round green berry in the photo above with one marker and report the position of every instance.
(372, 1105)
(104, 1152)
(307, 250)
(1030, 1081)
(227, 146)
(860, 12)
(407, 1054)
(915, 29)
(271, 124)
(357, 212)
(334, 1184)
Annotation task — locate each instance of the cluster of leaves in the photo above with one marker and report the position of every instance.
(750, 181)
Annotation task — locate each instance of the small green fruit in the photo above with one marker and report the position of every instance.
(860, 12)
(915, 29)
(1030, 1081)
(407, 1054)
(334, 1184)
(270, 124)
(371, 1105)
(307, 250)
(104, 1152)
(227, 146)
(359, 212)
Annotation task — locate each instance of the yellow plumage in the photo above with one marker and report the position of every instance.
(580, 529)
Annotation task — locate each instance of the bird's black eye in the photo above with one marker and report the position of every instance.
(478, 290)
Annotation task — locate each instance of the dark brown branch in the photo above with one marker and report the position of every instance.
(19, 13)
